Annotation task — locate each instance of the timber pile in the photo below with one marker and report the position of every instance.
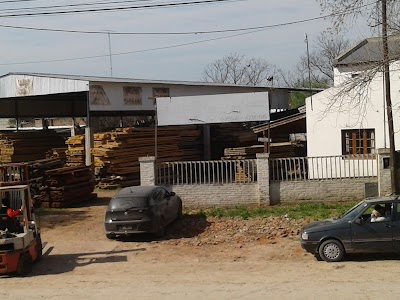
(76, 150)
(278, 150)
(59, 153)
(116, 153)
(63, 187)
(230, 135)
(27, 145)
(37, 170)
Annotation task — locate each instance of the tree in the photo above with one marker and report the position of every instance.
(238, 69)
(386, 16)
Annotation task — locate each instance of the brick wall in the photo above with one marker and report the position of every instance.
(224, 195)
(319, 190)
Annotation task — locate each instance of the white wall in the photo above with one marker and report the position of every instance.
(324, 127)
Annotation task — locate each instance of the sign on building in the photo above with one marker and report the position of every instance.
(208, 109)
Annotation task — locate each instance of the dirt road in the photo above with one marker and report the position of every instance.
(209, 259)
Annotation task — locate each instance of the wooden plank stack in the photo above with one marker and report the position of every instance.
(116, 153)
(63, 187)
(20, 146)
(76, 150)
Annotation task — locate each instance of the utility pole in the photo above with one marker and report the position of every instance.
(389, 112)
(110, 53)
(309, 70)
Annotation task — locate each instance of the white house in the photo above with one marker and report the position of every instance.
(344, 120)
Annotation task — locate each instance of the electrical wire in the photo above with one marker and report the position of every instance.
(150, 6)
(182, 33)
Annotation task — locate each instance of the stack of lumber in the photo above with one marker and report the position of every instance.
(76, 150)
(37, 170)
(243, 152)
(63, 187)
(230, 135)
(59, 153)
(278, 150)
(27, 145)
(116, 153)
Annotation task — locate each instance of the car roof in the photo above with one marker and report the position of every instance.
(136, 191)
(382, 199)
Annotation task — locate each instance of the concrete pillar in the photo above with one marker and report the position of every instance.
(88, 146)
(147, 170)
(263, 178)
(384, 182)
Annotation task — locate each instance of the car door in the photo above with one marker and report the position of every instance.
(396, 226)
(163, 204)
(370, 236)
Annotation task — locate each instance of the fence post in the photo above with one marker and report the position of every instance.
(147, 170)
(384, 186)
(263, 178)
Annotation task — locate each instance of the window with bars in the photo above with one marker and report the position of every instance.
(358, 141)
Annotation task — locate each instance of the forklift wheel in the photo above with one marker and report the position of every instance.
(24, 264)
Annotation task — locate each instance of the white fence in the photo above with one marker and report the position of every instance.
(207, 172)
(324, 167)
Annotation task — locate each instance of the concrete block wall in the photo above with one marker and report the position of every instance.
(319, 190)
(224, 195)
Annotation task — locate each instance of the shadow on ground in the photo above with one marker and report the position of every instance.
(62, 263)
(364, 257)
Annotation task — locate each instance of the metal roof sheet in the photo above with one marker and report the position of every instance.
(369, 50)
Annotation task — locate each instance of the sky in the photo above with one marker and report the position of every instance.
(57, 52)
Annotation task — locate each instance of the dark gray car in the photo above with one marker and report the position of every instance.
(139, 209)
(358, 230)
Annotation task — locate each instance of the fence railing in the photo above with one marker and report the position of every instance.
(323, 167)
(207, 172)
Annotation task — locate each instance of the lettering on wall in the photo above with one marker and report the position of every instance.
(132, 95)
(24, 86)
(98, 96)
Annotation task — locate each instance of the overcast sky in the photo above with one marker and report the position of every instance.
(281, 46)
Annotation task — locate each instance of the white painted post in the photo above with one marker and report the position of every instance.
(263, 178)
(147, 170)
(384, 182)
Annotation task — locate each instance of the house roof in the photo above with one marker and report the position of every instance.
(369, 50)
(280, 122)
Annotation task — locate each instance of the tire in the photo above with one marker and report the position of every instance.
(111, 236)
(24, 265)
(39, 248)
(331, 251)
(160, 229)
(180, 213)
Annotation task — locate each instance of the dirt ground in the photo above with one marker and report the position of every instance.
(200, 258)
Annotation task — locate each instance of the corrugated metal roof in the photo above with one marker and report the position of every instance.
(369, 50)
(131, 80)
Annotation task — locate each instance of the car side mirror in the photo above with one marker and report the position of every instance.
(359, 221)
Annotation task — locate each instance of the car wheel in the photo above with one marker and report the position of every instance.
(111, 236)
(180, 213)
(331, 250)
(24, 265)
(160, 229)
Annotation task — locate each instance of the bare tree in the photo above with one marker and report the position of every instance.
(237, 69)
(384, 13)
(328, 46)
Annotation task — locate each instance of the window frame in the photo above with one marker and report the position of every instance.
(354, 140)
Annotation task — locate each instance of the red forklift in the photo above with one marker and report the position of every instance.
(20, 242)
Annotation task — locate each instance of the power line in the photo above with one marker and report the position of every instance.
(164, 5)
(132, 52)
(182, 33)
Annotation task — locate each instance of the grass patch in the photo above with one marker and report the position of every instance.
(313, 211)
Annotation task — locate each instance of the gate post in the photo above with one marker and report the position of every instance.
(147, 170)
(384, 179)
(263, 178)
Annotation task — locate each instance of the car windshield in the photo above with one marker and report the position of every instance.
(127, 202)
(354, 211)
